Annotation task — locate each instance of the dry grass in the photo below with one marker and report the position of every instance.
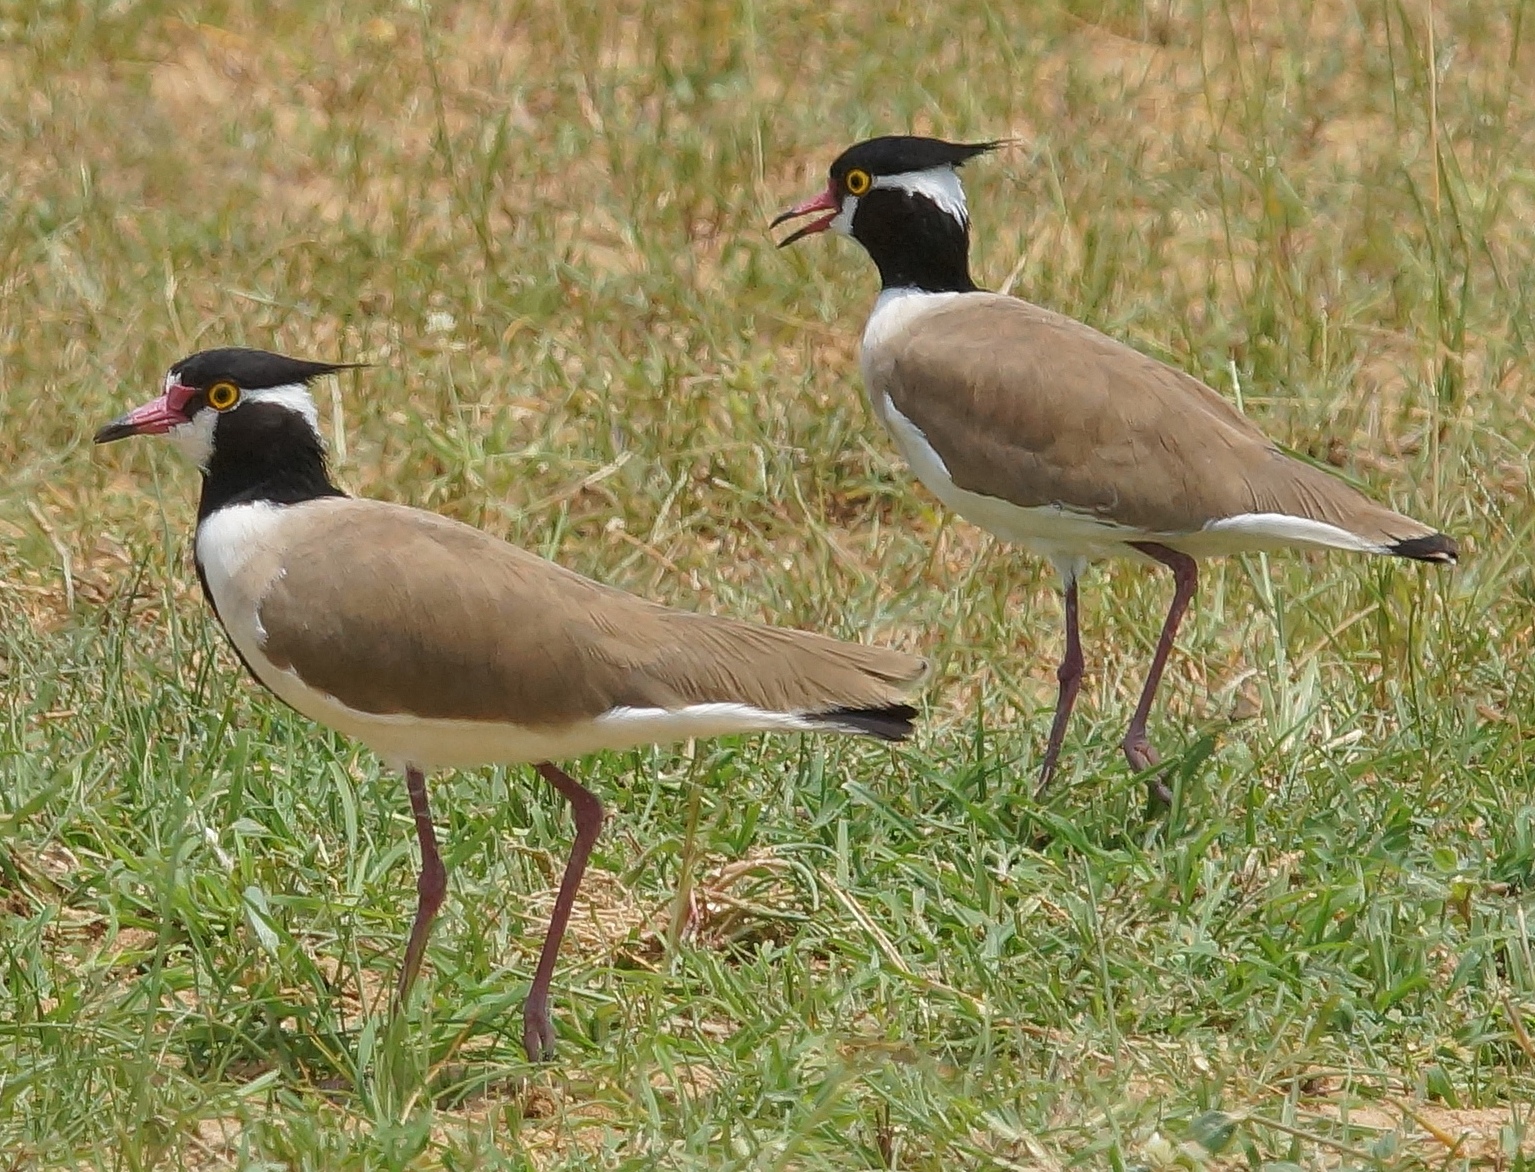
(545, 226)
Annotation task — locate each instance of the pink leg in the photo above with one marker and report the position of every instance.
(537, 1031)
(430, 887)
(1138, 750)
(1069, 675)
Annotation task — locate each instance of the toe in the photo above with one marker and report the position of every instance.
(537, 1035)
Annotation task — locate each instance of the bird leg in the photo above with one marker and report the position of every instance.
(1138, 750)
(1069, 675)
(430, 887)
(537, 1031)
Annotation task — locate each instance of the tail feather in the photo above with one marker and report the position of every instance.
(1305, 492)
(718, 660)
(1435, 547)
(890, 723)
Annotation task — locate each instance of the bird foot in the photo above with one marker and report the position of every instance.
(1142, 755)
(537, 1033)
(1045, 775)
(1140, 752)
(1159, 797)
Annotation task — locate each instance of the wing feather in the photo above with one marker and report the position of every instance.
(438, 619)
(1036, 409)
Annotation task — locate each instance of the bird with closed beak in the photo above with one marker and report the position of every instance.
(1055, 436)
(440, 646)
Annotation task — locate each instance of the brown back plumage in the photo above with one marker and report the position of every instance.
(394, 610)
(1037, 409)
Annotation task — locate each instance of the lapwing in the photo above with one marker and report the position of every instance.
(1055, 436)
(440, 646)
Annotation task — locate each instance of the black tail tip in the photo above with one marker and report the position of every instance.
(892, 723)
(1436, 547)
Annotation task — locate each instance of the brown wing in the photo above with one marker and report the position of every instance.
(395, 610)
(1037, 409)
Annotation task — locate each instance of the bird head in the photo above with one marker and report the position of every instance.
(900, 197)
(228, 398)
(893, 178)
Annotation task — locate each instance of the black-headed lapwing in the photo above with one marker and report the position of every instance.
(1050, 434)
(440, 646)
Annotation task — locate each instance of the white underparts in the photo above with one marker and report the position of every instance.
(433, 743)
(1066, 536)
(1070, 537)
(227, 541)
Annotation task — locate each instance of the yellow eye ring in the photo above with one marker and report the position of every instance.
(857, 182)
(223, 396)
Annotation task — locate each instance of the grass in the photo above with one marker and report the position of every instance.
(544, 224)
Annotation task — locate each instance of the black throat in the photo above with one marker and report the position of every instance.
(264, 452)
(914, 242)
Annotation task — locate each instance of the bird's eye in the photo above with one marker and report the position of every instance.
(223, 396)
(857, 182)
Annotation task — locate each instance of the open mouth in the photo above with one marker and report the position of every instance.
(825, 202)
(153, 418)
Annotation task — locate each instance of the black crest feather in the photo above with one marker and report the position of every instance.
(895, 154)
(252, 370)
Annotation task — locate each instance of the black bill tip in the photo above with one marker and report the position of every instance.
(116, 430)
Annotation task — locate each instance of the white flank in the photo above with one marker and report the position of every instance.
(1066, 536)
(1069, 537)
(433, 743)
(1271, 531)
(939, 184)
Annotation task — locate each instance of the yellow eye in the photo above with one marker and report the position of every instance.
(223, 396)
(857, 182)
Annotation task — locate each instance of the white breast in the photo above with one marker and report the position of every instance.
(239, 551)
(894, 311)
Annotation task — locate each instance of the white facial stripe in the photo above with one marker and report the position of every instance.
(843, 224)
(939, 184)
(295, 397)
